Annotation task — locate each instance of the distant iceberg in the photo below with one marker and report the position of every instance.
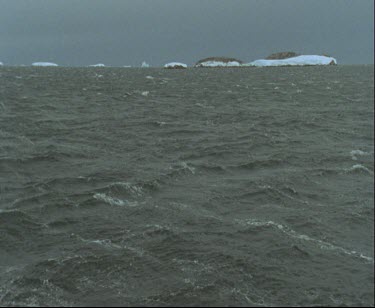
(1, 63)
(295, 61)
(97, 65)
(175, 65)
(44, 64)
(144, 64)
(127, 66)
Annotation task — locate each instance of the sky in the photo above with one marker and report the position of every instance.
(127, 32)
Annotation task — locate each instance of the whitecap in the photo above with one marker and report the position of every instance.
(359, 167)
(114, 201)
(105, 243)
(356, 153)
(134, 189)
(185, 166)
(290, 232)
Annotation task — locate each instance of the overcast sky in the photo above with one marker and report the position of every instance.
(127, 32)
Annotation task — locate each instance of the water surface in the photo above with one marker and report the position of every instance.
(241, 187)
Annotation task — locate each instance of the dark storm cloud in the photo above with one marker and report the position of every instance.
(83, 32)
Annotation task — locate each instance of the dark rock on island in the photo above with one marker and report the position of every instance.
(282, 55)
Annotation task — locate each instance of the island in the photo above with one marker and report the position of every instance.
(97, 65)
(44, 64)
(219, 62)
(175, 65)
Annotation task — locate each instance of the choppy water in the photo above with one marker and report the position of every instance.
(157, 187)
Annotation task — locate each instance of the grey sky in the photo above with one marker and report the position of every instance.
(121, 32)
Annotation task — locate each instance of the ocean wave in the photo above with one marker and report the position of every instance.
(32, 199)
(258, 164)
(17, 219)
(118, 198)
(265, 193)
(174, 171)
(293, 234)
(209, 168)
(114, 201)
(133, 189)
(41, 157)
(358, 168)
(355, 153)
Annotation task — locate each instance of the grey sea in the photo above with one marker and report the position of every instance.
(197, 187)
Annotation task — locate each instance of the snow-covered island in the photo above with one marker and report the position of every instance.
(175, 65)
(218, 62)
(97, 65)
(295, 61)
(44, 64)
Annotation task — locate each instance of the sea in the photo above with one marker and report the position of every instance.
(197, 187)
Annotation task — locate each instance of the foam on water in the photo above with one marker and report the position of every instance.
(356, 153)
(134, 189)
(114, 201)
(359, 167)
(290, 232)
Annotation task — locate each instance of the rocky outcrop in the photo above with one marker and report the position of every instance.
(282, 55)
(218, 61)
